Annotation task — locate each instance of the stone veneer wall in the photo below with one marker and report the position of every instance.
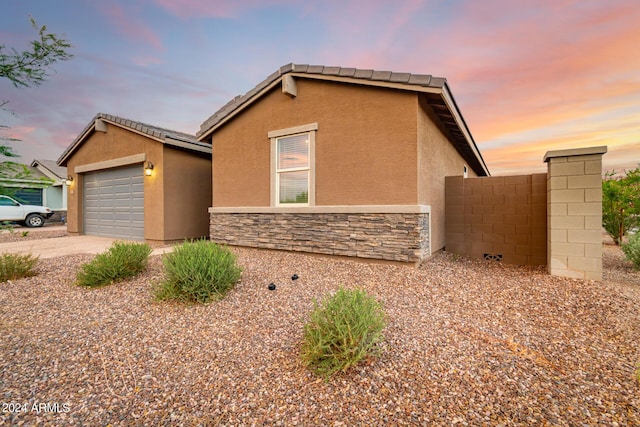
(386, 236)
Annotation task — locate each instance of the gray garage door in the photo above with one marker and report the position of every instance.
(114, 203)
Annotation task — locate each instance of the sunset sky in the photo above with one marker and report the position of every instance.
(528, 75)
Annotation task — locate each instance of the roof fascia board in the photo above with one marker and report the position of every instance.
(78, 143)
(45, 171)
(131, 129)
(240, 108)
(453, 108)
(367, 82)
(187, 145)
(166, 140)
(364, 82)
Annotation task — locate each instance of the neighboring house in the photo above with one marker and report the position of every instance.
(54, 196)
(338, 161)
(27, 184)
(137, 181)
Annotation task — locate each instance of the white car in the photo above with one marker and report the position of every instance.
(29, 215)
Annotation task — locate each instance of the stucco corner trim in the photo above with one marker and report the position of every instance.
(356, 209)
(112, 163)
(293, 130)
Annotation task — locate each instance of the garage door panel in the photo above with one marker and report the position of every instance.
(122, 190)
(124, 217)
(114, 203)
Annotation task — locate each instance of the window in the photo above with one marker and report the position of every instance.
(292, 166)
(5, 201)
(292, 170)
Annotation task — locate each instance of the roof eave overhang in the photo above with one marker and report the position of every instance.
(350, 80)
(238, 109)
(478, 164)
(198, 147)
(62, 161)
(46, 171)
(462, 126)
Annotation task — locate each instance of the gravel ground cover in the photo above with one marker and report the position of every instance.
(16, 235)
(467, 343)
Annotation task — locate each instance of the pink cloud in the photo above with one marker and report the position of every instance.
(146, 60)
(219, 9)
(19, 132)
(135, 30)
(551, 73)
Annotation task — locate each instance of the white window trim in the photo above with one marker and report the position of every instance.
(309, 129)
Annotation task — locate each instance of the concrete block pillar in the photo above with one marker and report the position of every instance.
(574, 212)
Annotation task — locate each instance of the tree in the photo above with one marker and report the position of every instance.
(28, 68)
(25, 69)
(621, 203)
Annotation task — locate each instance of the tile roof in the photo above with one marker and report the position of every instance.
(418, 80)
(160, 134)
(437, 93)
(52, 166)
(20, 174)
(152, 131)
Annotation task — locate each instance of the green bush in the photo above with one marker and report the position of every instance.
(342, 331)
(632, 250)
(120, 261)
(14, 266)
(198, 271)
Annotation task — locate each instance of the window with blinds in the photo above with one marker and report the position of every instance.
(292, 169)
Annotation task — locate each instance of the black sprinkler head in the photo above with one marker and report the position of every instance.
(272, 286)
(294, 277)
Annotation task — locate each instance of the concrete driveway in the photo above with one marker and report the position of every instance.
(61, 246)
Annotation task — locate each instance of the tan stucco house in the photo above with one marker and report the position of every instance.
(131, 180)
(338, 161)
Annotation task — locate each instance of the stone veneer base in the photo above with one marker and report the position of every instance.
(387, 236)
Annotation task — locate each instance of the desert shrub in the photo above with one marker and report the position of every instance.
(13, 266)
(122, 260)
(198, 271)
(632, 249)
(621, 203)
(342, 331)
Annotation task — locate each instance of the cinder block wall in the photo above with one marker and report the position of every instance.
(574, 210)
(503, 218)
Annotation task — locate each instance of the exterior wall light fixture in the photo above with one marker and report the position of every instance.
(148, 169)
(69, 180)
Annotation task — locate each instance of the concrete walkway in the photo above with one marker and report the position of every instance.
(61, 246)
